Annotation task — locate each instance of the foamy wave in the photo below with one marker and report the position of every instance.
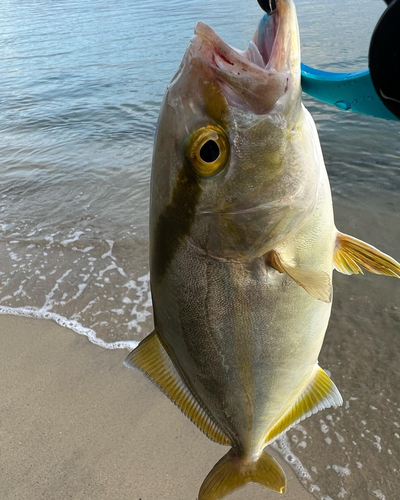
(104, 285)
(30, 312)
(282, 446)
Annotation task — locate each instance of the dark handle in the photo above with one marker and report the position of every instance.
(384, 57)
(269, 6)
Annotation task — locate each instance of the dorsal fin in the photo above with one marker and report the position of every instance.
(320, 393)
(351, 253)
(315, 282)
(151, 358)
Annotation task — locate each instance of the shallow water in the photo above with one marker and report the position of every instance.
(81, 84)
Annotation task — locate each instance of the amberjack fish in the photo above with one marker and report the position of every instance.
(242, 248)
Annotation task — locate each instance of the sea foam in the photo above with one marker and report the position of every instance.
(30, 312)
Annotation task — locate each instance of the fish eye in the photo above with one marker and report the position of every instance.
(208, 150)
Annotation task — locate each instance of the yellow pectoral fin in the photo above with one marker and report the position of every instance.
(321, 393)
(351, 253)
(316, 283)
(151, 358)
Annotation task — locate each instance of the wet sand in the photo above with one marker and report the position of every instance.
(76, 424)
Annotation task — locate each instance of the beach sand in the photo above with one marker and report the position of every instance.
(76, 424)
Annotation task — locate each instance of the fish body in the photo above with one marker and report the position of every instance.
(242, 249)
(246, 336)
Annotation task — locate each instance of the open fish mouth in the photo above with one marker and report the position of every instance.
(255, 78)
(259, 53)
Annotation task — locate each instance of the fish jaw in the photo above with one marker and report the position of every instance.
(268, 71)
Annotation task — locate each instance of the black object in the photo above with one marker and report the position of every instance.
(269, 6)
(209, 152)
(384, 57)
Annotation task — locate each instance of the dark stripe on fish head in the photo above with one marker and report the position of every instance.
(175, 221)
(179, 121)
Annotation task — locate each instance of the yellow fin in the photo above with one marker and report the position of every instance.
(151, 358)
(351, 253)
(316, 283)
(320, 393)
(231, 473)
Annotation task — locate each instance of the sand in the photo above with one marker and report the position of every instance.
(76, 424)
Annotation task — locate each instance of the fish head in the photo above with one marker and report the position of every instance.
(229, 173)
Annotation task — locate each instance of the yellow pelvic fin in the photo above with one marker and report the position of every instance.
(232, 472)
(320, 393)
(316, 283)
(151, 358)
(351, 254)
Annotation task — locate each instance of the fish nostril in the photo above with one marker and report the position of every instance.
(210, 151)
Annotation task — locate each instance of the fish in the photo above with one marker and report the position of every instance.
(243, 245)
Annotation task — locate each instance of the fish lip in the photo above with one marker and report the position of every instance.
(257, 78)
(231, 57)
(245, 85)
(218, 55)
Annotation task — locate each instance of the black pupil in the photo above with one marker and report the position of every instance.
(209, 151)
